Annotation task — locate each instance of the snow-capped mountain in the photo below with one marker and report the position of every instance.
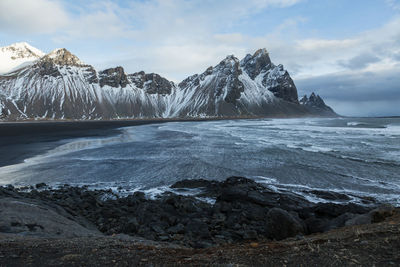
(60, 86)
(16, 56)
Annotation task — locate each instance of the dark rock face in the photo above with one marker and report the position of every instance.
(224, 80)
(274, 77)
(255, 64)
(152, 83)
(29, 218)
(191, 80)
(231, 80)
(282, 86)
(90, 75)
(243, 210)
(3, 113)
(374, 216)
(113, 77)
(47, 68)
(315, 105)
(281, 224)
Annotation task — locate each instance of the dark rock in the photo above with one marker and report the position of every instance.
(244, 210)
(38, 219)
(158, 229)
(198, 228)
(250, 234)
(328, 195)
(40, 185)
(280, 224)
(202, 244)
(255, 64)
(359, 220)
(194, 183)
(332, 210)
(246, 190)
(163, 238)
(132, 226)
(90, 75)
(315, 105)
(152, 83)
(339, 221)
(46, 68)
(177, 229)
(381, 213)
(114, 77)
(281, 85)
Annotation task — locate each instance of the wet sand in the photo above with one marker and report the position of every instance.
(21, 140)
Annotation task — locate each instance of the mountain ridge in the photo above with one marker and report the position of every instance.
(59, 85)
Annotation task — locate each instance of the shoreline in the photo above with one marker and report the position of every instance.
(240, 206)
(21, 140)
(24, 139)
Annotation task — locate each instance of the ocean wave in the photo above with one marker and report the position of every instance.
(310, 148)
(373, 161)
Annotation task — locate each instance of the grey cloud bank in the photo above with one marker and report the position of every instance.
(357, 94)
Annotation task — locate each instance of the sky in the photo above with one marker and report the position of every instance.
(346, 51)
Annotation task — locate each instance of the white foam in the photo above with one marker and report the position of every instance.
(354, 123)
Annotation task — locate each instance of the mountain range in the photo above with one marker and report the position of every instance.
(59, 86)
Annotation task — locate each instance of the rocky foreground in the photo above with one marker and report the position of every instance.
(71, 225)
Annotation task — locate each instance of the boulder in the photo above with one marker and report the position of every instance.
(381, 213)
(27, 217)
(280, 224)
(359, 220)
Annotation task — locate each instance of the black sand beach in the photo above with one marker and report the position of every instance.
(21, 140)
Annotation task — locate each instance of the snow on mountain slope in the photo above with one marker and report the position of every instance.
(17, 56)
(250, 87)
(60, 86)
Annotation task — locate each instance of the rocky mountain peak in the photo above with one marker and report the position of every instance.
(17, 56)
(226, 79)
(22, 50)
(303, 100)
(315, 104)
(313, 100)
(230, 65)
(254, 64)
(230, 59)
(63, 57)
(261, 53)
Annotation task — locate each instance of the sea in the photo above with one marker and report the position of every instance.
(359, 157)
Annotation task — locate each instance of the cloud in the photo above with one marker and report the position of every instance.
(396, 56)
(350, 93)
(178, 38)
(27, 16)
(63, 20)
(360, 61)
(373, 50)
(377, 108)
(395, 4)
